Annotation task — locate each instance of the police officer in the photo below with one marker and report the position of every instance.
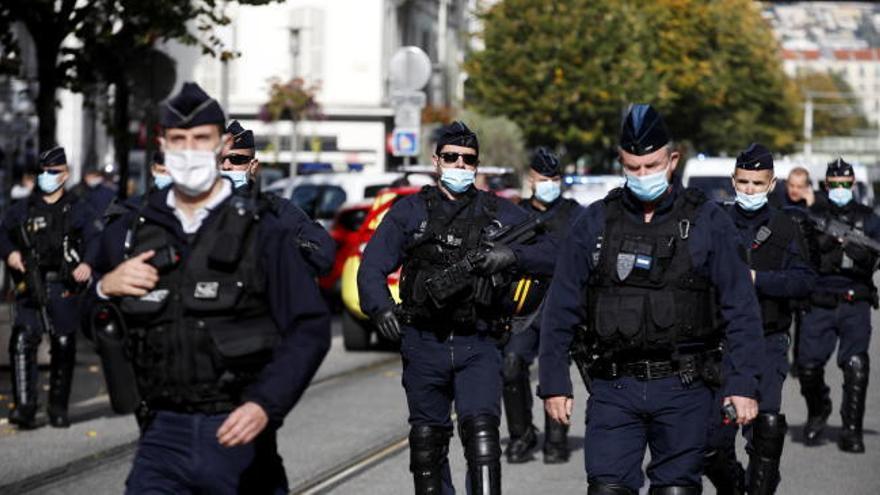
(49, 242)
(781, 273)
(448, 351)
(225, 325)
(840, 312)
(93, 190)
(545, 181)
(241, 166)
(651, 259)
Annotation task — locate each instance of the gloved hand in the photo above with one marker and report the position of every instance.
(388, 325)
(496, 259)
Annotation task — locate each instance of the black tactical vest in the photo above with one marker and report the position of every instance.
(49, 229)
(766, 252)
(643, 293)
(206, 330)
(442, 240)
(832, 260)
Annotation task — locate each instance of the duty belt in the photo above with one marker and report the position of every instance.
(687, 369)
(53, 277)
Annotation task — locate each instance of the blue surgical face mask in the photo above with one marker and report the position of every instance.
(49, 183)
(457, 180)
(648, 187)
(751, 202)
(840, 196)
(546, 191)
(161, 181)
(239, 178)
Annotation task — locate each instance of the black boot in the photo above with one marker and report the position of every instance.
(555, 441)
(768, 437)
(482, 449)
(815, 392)
(23, 356)
(852, 408)
(518, 410)
(428, 447)
(60, 379)
(725, 472)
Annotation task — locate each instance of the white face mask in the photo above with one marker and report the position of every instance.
(192, 171)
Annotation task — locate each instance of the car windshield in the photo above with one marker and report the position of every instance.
(718, 189)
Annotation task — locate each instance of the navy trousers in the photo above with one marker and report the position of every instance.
(848, 326)
(179, 453)
(63, 312)
(439, 370)
(625, 415)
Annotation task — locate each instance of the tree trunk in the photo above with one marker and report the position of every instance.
(121, 141)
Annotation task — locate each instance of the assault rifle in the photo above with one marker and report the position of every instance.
(460, 276)
(34, 283)
(845, 233)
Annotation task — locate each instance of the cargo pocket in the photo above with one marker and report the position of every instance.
(606, 316)
(662, 312)
(238, 345)
(149, 304)
(630, 315)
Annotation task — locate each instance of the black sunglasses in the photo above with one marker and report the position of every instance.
(238, 159)
(836, 185)
(52, 171)
(467, 158)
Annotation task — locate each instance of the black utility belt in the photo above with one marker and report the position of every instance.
(218, 407)
(688, 369)
(832, 299)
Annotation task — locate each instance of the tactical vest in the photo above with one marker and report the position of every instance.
(766, 252)
(49, 229)
(442, 240)
(643, 293)
(205, 331)
(832, 260)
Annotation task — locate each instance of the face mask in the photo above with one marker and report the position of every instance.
(162, 181)
(94, 182)
(457, 180)
(193, 172)
(648, 187)
(840, 196)
(751, 202)
(49, 183)
(547, 191)
(239, 178)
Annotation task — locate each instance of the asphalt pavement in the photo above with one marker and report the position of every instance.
(347, 436)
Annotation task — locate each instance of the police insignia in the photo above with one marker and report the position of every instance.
(207, 290)
(155, 296)
(625, 264)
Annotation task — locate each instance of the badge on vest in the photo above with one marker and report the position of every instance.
(625, 264)
(207, 290)
(155, 296)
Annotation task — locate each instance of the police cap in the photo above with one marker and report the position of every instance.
(189, 108)
(755, 157)
(643, 131)
(457, 134)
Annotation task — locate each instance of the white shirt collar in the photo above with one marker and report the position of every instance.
(191, 226)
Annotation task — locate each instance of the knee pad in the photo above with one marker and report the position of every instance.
(482, 445)
(769, 435)
(428, 447)
(513, 367)
(857, 368)
(63, 343)
(675, 490)
(599, 488)
(24, 340)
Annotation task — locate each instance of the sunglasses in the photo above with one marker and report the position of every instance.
(838, 185)
(52, 171)
(467, 158)
(238, 159)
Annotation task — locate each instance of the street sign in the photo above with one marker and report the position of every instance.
(409, 69)
(405, 141)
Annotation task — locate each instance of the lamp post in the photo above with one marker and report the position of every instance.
(294, 55)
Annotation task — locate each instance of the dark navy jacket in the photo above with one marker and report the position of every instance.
(296, 303)
(715, 252)
(83, 219)
(557, 227)
(386, 250)
(99, 196)
(796, 279)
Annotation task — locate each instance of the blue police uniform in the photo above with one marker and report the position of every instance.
(178, 451)
(522, 349)
(63, 234)
(99, 197)
(840, 315)
(445, 361)
(776, 251)
(633, 409)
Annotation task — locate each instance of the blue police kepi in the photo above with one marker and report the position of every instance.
(49, 242)
(777, 254)
(650, 259)
(448, 348)
(846, 235)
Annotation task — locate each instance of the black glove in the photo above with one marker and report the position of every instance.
(857, 253)
(497, 259)
(388, 325)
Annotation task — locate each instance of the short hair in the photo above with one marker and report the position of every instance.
(799, 171)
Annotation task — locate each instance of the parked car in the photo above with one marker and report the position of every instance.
(344, 231)
(586, 189)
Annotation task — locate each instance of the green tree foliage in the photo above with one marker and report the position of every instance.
(835, 112)
(566, 70)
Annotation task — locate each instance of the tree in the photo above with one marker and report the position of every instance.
(566, 71)
(835, 112)
(293, 100)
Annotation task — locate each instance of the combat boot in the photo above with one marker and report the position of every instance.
(819, 407)
(23, 356)
(60, 378)
(518, 411)
(852, 408)
(725, 472)
(556, 449)
(768, 437)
